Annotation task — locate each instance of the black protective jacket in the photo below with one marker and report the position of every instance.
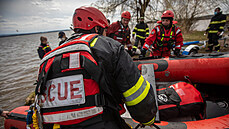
(141, 30)
(217, 23)
(124, 77)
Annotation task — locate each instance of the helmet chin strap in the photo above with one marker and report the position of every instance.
(98, 31)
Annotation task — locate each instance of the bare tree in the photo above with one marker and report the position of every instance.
(186, 11)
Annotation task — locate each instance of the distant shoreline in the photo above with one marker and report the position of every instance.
(8, 35)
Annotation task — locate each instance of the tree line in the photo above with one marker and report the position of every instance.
(186, 11)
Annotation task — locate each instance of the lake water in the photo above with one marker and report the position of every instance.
(19, 63)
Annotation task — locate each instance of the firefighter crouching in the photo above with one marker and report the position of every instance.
(164, 37)
(120, 31)
(82, 83)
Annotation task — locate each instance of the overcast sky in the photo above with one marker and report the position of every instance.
(37, 15)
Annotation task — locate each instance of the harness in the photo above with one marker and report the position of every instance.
(161, 40)
(44, 48)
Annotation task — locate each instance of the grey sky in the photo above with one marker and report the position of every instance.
(37, 15)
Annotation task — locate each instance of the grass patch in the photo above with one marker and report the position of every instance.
(194, 36)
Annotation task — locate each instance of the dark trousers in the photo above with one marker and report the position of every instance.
(142, 41)
(213, 41)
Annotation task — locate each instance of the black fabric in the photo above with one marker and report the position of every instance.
(40, 79)
(168, 96)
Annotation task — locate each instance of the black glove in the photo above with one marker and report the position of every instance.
(177, 52)
(143, 52)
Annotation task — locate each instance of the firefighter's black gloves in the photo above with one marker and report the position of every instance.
(143, 53)
(177, 52)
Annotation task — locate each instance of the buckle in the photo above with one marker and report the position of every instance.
(99, 100)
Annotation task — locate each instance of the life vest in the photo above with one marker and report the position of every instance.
(165, 39)
(122, 34)
(68, 94)
(44, 48)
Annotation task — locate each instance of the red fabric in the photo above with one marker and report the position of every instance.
(115, 28)
(164, 50)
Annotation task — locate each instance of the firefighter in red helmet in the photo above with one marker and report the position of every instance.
(120, 30)
(164, 37)
(83, 82)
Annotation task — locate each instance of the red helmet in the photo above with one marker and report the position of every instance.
(87, 18)
(126, 15)
(167, 14)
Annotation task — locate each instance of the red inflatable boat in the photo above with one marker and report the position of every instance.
(202, 68)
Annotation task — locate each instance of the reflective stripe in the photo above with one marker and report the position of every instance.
(213, 31)
(140, 36)
(177, 46)
(92, 44)
(120, 30)
(147, 28)
(217, 45)
(150, 122)
(178, 31)
(119, 38)
(141, 30)
(137, 93)
(72, 115)
(45, 47)
(158, 29)
(67, 49)
(218, 22)
(84, 37)
(223, 21)
(134, 33)
(147, 46)
(221, 27)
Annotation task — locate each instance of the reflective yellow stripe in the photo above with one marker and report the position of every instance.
(134, 88)
(215, 22)
(141, 30)
(56, 126)
(221, 27)
(147, 33)
(223, 21)
(133, 33)
(140, 36)
(217, 45)
(135, 28)
(135, 47)
(150, 122)
(213, 31)
(92, 44)
(45, 47)
(162, 37)
(147, 28)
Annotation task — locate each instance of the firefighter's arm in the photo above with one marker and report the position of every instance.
(149, 40)
(147, 31)
(222, 23)
(137, 92)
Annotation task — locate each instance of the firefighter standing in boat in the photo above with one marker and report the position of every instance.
(142, 31)
(164, 37)
(120, 30)
(83, 82)
(215, 29)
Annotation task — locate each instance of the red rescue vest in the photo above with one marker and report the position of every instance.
(69, 95)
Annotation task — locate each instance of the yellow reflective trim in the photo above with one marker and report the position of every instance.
(133, 32)
(56, 126)
(221, 27)
(92, 44)
(213, 31)
(140, 36)
(135, 47)
(140, 97)
(141, 30)
(45, 47)
(217, 45)
(223, 21)
(215, 22)
(150, 122)
(135, 28)
(133, 89)
(147, 28)
(147, 33)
